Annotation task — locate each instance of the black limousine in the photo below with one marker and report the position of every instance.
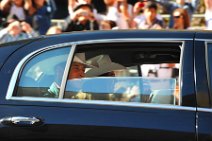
(108, 85)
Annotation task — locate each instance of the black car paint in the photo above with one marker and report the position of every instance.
(107, 122)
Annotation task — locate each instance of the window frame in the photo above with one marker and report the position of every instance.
(73, 46)
(208, 69)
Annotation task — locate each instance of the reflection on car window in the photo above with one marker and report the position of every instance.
(128, 72)
(39, 73)
(126, 76)
(132, 89)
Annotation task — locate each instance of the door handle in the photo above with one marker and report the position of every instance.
(21, 121)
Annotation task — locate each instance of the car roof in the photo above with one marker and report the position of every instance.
(6, 49)
(48, 40)
(115, 34)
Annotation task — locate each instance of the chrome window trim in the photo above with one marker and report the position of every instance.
(205, 40)
(129, 40)
(180, 72)
(208, 41)
(109, 103)
(206, 110)
(15, 74)
(74, 44)
(66, 71)
(14, 77)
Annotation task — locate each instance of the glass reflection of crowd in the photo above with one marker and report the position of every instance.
(21, 19)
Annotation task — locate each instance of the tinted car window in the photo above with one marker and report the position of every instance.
(41, 71)
(144, 74)
(141, 73)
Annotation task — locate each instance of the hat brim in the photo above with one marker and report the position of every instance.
(96, 71)
(78, 60)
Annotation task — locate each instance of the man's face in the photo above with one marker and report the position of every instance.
(84, 14)
(84, 1)
(77, 71)
(14, 28)
(105, 26)
(109, 2)
(150, 14)
(18, 2)
(40, 2)
(181, 2)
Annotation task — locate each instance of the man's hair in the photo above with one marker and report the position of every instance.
(150, 4)
(83, 5)
(110, 22)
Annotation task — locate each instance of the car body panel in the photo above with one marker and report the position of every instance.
(107, 121)
(74, 121)
(203, 87)
(8, 48)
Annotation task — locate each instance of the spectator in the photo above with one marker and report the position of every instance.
(208, 14)
(82, 19)
(13, 8)
(138, 8)
(107, 25)
(170, 70)
(16, 31)
(74, 3)
(150, 17)
(181, 19)
(171, 6)
(119, 11)
(52, 7)
(39, 15)
(138, 13)
(54, 30)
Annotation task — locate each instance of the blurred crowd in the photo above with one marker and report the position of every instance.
(21, 19)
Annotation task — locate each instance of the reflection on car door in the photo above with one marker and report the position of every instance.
(49, 118)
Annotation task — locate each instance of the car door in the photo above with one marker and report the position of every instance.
(203, 65)
(36, 109)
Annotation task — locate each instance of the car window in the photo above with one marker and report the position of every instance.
(41, 71)
(114, 72)
(136, 73)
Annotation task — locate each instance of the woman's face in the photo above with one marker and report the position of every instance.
(178, 20)
(18, 2)
(39, 2)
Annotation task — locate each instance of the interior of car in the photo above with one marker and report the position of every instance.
(149, 73)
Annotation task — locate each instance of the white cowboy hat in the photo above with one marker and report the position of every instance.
(80, 58)
(104, 65)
